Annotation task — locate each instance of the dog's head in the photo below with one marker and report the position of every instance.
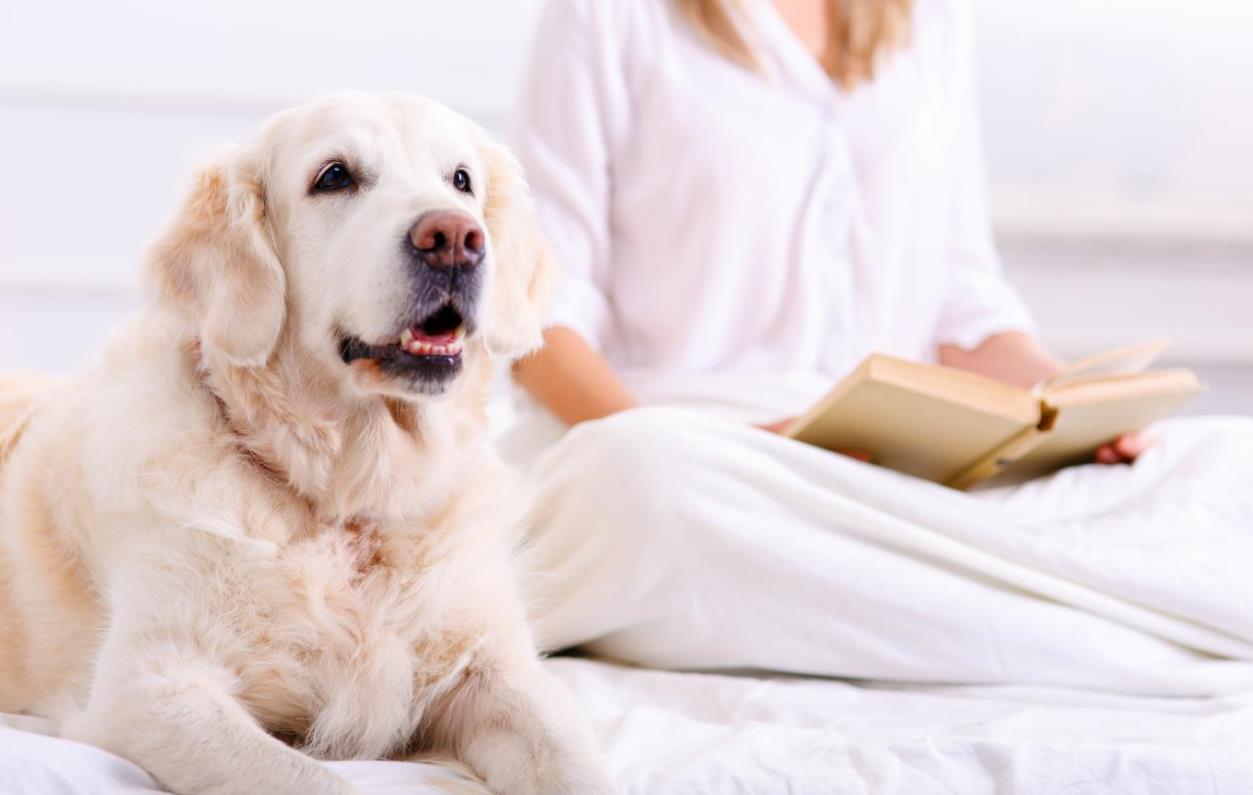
(386, 239)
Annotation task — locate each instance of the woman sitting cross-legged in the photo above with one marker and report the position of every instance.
(746, 198)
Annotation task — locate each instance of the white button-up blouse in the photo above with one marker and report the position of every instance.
(710, 219)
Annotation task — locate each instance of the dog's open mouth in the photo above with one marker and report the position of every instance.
(440, 334)
(428, 350)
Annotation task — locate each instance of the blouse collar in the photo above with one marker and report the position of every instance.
(785, 55)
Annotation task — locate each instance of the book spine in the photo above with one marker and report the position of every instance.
(1014, 448)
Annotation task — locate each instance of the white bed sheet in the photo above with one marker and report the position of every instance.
(704, 733)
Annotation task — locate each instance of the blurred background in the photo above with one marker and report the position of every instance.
(1119, 135)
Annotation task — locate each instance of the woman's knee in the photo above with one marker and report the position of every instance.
(606, 500)
(643, 438)
(626, 463)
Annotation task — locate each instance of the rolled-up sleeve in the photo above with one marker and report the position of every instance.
(979, 302)
(571, 101)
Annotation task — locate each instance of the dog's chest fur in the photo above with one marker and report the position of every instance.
(348, 645)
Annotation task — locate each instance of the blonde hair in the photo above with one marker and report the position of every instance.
(861, 31)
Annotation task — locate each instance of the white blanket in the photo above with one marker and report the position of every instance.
(678, 540)
(681, 733)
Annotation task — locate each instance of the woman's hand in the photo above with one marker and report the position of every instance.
(778, 426)
(1020, 359)
(1123, 450)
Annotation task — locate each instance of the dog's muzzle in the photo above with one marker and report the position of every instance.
(444, 250)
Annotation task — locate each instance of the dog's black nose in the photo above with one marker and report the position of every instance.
(448, 239)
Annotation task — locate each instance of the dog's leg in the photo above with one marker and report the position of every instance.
(521, 730)
(171, 710)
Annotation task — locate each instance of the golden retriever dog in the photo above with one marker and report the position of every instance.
(267, 525)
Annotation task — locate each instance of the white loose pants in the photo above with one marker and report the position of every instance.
(673, 539)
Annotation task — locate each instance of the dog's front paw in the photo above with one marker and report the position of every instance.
(225, 760)
(511, 770)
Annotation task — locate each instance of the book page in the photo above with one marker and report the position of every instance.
(1120, 361)
(1093, 413)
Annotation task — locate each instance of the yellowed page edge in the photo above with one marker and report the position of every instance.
(1119, 361)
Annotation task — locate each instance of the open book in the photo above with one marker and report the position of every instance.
(960, 428)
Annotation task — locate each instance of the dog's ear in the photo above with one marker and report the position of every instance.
(216, 264)
(518, 291)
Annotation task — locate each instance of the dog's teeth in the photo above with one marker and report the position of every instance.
(418, 347)
(406, 337)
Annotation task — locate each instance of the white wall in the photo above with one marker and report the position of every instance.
(104, 115)
(1116, 132)
(1114, 116)
(1118, 139)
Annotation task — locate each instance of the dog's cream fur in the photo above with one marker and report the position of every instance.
(224, 551)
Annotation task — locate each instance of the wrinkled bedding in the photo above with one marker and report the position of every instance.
(774, 555)
(704, 733)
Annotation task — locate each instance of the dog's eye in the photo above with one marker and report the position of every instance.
(333, 177)
(461, 181)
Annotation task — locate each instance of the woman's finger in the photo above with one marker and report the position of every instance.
(860, 455)
(1106, 454)
(778, 426)
(1131, 445)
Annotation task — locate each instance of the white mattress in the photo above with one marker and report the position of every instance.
(701, 733)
